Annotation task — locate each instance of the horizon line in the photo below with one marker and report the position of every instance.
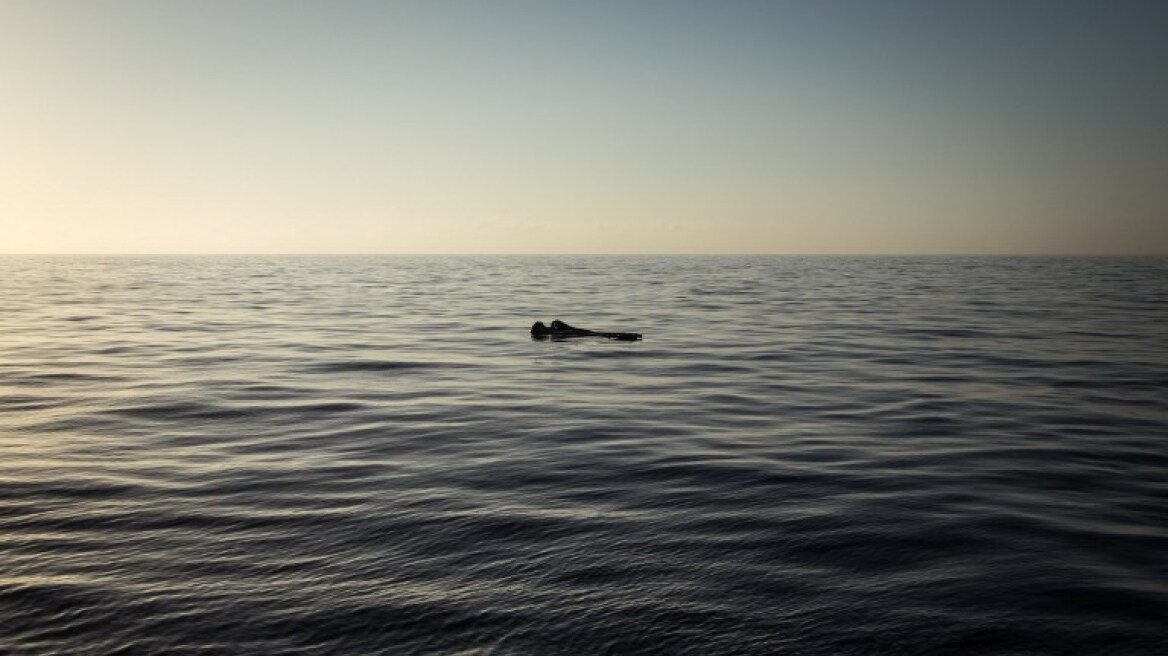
(561, 254)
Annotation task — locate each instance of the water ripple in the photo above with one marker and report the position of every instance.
(370, 455)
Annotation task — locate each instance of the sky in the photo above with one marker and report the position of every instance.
(631, 126)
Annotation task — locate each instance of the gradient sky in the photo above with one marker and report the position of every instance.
(505, 126)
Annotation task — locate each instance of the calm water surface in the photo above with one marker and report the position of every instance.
(371, 456)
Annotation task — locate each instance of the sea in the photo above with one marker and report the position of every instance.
(248, 455)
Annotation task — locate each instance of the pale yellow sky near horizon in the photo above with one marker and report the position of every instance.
(524, 127)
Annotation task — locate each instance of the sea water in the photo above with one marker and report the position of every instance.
(370, 455)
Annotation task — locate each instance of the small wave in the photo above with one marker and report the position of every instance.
(377, 366)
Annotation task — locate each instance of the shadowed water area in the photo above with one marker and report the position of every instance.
(852, 455)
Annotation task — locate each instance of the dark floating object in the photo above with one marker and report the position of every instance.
(559, 329)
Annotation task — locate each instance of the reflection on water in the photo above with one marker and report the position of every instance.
(296, 455)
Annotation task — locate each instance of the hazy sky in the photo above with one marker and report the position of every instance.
(631, 126)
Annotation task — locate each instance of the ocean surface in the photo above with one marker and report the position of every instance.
(370, 455)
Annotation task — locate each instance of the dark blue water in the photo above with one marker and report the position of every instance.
(371, 456)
